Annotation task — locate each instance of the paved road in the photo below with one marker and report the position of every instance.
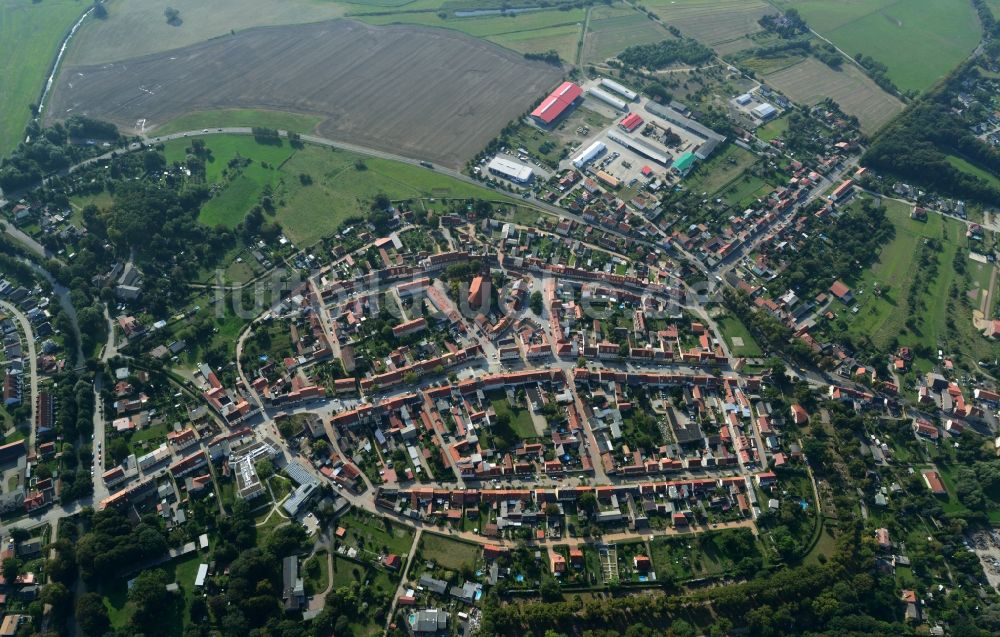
(99, 447)
(29, 337)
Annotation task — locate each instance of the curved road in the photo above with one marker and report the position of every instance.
(29, 336)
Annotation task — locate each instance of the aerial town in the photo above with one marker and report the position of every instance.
(670, 320)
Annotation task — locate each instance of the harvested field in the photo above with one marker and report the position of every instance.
(712, 22)
(612, 31)
(810, 81)
(425, 93)
(137, 27)
(561, 39)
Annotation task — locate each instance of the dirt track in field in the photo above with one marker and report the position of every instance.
(425, 93)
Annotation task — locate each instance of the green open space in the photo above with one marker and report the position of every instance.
(30, 36)
(446, 552)
(704, 555)
(743, 193)
(919, 41)
(773, 129)
(722, 168)
(943, 319)
(346, 571)
(342, 183)
(520, 419)
(376, 534)
(732, 327)
(182, 571)
(972, 169)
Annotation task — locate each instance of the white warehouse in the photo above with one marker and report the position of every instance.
(588, 154)
(604, 96)
(510, 169)
(627, 93)
(764, 111)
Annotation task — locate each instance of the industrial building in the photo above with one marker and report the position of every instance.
(744, 99)
(764, 111)
(674, 116)
(639, 147)
(684, 163)
(511, 170)
(589, 154)
(627, 93)
(631, 122)
(608, 98)
(556, 103)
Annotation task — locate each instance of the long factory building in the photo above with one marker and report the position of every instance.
(589, 154)
(639, 147)
(627, 93)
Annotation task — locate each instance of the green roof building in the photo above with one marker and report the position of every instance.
(684, 163)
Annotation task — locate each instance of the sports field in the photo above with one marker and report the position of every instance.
(738, 338)
(614, 29)
(137, 27)
(919, 41)
(30, 36)
(425, 93)
(308, 212)
(810, 81)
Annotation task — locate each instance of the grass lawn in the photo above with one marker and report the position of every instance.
(339, 189)
(152, 436)
(520, 419)
(744, 192)
(446, 552)
(918, 40)
(373, 533)
(237, 117)
(30, 36)
(317, 576)
(182, 571)
(773, 129)
(719, 170)
(825, 546)
(732, 327)
(972, 169)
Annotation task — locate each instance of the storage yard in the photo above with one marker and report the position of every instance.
(646, 142)
(445, 117)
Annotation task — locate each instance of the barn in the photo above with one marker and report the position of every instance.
(556, 103)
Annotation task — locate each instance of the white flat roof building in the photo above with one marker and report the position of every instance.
(627, 93)
(510, 169)
(199, 579)
(608, 98)
(588, 154)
